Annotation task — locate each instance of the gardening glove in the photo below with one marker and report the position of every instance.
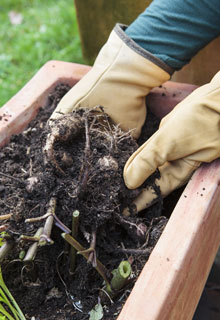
(187, 136)
(122, 75)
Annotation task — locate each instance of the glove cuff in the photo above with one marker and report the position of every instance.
(119, 30)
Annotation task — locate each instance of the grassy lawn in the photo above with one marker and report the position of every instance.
(48, 31)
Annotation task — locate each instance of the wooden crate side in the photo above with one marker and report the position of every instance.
(23, 107)
(173, 279)
(167, 96)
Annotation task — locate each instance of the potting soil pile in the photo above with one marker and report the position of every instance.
(80, 177)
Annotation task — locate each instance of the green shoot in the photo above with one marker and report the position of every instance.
(120, 275)
(7, 299)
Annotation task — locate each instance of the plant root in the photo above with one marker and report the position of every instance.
(63, 129)
(91, 251)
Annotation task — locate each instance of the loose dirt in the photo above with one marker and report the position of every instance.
(85, 174)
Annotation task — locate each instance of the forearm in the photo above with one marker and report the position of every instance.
(175, 30)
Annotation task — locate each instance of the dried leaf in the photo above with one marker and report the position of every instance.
(97, 312)
(53, 293)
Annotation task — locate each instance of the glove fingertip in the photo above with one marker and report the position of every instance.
(129, 182)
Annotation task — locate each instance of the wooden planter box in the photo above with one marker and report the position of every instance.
(173, 279)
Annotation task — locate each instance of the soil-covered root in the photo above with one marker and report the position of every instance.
(64, 128)
(91, 152)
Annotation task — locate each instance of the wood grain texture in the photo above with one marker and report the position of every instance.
(173, 279)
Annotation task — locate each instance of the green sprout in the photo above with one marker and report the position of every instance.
(120, 275)
(7, 299)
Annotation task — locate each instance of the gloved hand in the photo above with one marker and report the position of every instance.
(121, 77)
(187, 136)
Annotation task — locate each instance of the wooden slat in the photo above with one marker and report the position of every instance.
(173, 279)
(23, 107)
(164, 98)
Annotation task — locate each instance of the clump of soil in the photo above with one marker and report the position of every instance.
(81, 173)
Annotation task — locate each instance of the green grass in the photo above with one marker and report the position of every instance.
(48, 31)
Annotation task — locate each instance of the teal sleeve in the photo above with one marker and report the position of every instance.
(175, 30)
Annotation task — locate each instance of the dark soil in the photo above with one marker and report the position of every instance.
(85, 174)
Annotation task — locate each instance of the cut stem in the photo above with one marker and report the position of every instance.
(29, 238)
(5, 249)
(45, 236)
(37, 219)
(100, 268)
(32, 251)
(75, 225)
(5, 216)
(120, 276)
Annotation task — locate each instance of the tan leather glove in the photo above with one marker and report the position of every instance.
(121, 77)
(187, 136)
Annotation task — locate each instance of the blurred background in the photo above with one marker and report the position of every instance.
(35, 31)
(31, 33)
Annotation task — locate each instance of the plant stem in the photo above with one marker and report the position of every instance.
(120, 275)
(45, 236)
(37, 219)
(29, 238)
(75, 225)
(92, 255)
(101, 269)
(9, 300)
(5, 249)
(5, 216)
(60, 224)
(5, 313)
(31, 253)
